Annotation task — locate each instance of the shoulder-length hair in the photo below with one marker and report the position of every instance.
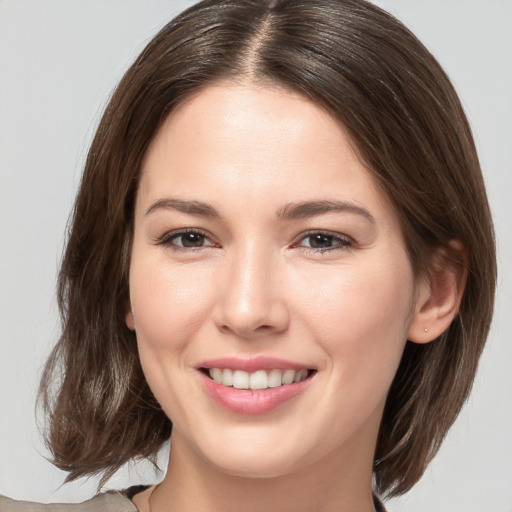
(409, 128)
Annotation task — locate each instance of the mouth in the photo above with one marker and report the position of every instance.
(257, 380)
(254, 385)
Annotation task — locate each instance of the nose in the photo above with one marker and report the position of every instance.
(252, 301)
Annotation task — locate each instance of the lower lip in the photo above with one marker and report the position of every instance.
(247, 401)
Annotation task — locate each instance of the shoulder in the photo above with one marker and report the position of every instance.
(108, 502)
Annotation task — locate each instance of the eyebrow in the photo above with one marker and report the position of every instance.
(312, 208)
(191, 207)
(289, 212)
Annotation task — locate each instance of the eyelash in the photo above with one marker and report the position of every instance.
(168, 239)
(339, 242)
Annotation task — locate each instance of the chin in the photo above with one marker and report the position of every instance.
(256, 467)
(244, 455)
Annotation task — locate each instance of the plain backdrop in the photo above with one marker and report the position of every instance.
(59, 60)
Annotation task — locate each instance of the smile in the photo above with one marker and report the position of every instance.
(260, 379)
(256, 385)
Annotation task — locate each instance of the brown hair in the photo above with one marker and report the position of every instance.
(410, 130)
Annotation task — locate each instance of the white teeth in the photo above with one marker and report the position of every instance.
(300, 375)
(240, 379)
(288, 377)
(274, 378)
(216, 374)
(260, 379)
(227, 377)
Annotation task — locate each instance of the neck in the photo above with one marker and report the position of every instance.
(339, 482)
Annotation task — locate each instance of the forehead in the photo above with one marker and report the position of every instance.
(249, 142)
(253, 117)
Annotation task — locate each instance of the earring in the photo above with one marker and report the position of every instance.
(425, 329)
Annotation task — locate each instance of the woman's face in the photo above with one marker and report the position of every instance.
(263, 253)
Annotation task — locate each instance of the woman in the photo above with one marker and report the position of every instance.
(288, 194)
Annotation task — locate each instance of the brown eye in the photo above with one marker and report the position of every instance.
(186, 239)
(190, 239)
(323, 241)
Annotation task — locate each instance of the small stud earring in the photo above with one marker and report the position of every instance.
(425, 329)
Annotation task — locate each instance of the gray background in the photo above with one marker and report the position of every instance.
(59, 60)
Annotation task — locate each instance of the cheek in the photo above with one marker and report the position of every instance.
(361, 316)
(168, 305)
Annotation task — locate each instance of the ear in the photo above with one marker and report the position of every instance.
(439, 294)
(129, 318)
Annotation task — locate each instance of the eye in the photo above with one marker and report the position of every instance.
(323, 241)
(186, 239)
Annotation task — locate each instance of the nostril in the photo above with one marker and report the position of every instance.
(247, 331)
(264, 328)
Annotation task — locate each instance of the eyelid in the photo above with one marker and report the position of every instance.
(166, 239)
(340, 241)
(345, 242)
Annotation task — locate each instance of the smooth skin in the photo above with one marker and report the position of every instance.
(259, 232)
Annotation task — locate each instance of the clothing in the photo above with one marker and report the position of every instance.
(107, 502)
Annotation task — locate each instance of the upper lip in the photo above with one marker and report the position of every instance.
(252, 364)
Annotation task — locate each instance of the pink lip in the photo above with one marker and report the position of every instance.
(252, 364)
(247, 401)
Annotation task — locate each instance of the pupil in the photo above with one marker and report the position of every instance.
(192, 239)
(319, 241)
